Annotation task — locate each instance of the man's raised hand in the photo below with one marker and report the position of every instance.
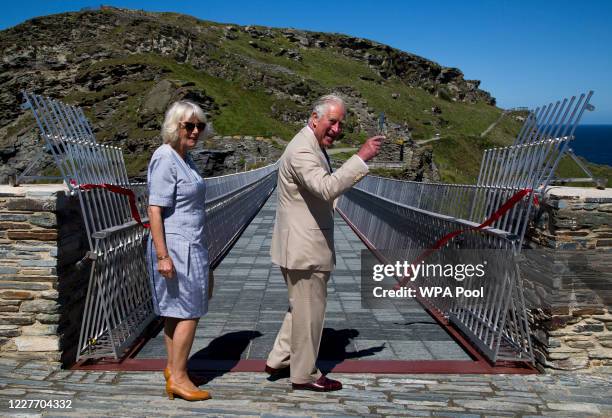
(370, 148)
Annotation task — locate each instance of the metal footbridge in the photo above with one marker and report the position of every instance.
(384, 213)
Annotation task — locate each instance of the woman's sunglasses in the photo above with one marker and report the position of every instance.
(190, 126)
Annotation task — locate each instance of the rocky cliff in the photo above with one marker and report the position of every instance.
(124, 67)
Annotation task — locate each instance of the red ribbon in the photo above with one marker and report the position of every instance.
(119, 190)
(494, 217)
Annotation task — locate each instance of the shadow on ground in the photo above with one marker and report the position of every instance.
(333, 348)
(227, 348)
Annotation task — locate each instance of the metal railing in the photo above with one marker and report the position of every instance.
(496, 324)
(396, 214)
(529, 163)
(231, 203)
(118, 305)
(56, 121)
(374, 164)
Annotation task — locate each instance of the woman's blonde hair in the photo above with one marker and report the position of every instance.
(178, 112)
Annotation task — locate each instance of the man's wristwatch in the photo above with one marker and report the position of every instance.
(162, 257)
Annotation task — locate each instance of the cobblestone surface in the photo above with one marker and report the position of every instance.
(250, 302)
(141, 394)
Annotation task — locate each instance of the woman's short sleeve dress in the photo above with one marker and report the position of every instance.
(175, 185)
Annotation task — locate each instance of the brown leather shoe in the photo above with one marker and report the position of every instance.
(189, 395)
(323, 384)
(277, 373)
(166, 374)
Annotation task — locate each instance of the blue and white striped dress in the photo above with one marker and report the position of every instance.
(175, 185)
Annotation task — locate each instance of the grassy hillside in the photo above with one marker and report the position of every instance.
(458, 158)
(568, 169)
(125, 66)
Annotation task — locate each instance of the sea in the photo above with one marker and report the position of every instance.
(593, 142)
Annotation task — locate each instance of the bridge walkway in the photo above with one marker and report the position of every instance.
(250, 300)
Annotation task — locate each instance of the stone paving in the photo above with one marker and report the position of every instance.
(250, 301)
(141, 394)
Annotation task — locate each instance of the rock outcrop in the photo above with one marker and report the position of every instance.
(124, 67)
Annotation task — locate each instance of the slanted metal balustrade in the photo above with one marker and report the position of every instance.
(56, 121)
(404, 230)
(117, 310)
(118, 305)
(231, 203)
(411, 216)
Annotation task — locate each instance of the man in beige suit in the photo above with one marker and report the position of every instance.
(303, 239)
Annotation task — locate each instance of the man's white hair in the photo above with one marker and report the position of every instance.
(321, 106)
(179, 112)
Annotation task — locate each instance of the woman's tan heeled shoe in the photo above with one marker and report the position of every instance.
(188, 395)
(197, 380)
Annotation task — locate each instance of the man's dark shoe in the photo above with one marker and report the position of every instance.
(323, 384)
(277, 373)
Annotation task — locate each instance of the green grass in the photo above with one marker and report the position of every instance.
(393, 173)
(458, 155)
(137, 162)
(125, 117)
(258, 164)
(23, 122)
(245, 112)
(458, 159)
(343, 156)
(505, 132)
(413, 106)
(248, 112)
(255, 112)
(567, 168)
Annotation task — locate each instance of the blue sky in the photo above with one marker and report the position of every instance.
(526, 53)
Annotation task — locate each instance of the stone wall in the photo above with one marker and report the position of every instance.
(41, 289)
(568, 288)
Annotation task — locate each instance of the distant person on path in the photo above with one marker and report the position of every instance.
(177, 253)
(303, 240)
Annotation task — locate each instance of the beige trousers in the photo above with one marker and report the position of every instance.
(298, 340)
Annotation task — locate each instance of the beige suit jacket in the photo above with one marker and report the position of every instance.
(303, 237)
